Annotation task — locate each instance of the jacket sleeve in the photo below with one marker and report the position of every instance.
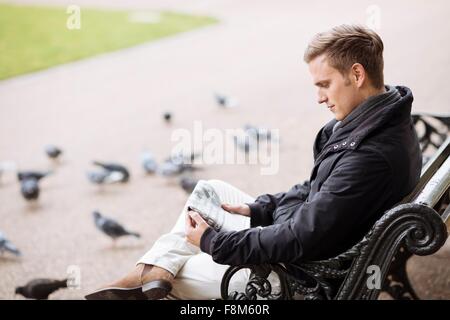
(261, 211)
(355, 190)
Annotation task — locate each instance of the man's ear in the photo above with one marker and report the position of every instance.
(359, 74)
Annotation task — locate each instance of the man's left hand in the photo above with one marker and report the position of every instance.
(195, 227)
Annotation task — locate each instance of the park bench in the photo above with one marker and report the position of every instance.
(416, 226)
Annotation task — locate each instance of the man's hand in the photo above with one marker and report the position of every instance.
(242, 209)
(195, 227)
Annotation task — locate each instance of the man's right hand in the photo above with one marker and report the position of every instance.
(242, 209)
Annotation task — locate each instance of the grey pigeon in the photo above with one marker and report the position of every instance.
(115, 167)
(40, 289)
(52, 151)
(188, 183)
(109, 173)
(111, 227)
(177, 164)
(169, 168)
(29, 183)
(105, 177)
(8, 246)
(245, 142)
(225, 101)
(30, 189)
(257, 133)
(251, 136)
(148, 162)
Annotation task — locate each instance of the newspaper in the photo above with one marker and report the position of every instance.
(206, 202)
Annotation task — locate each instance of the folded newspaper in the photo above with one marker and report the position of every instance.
(206, 202)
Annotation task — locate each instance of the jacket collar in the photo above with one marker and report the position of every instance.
(372, 114)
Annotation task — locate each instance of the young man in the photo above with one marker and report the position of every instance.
(366, 160)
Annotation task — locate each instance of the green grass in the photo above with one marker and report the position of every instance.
(34, 38)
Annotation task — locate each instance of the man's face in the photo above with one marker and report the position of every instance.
(339, 92)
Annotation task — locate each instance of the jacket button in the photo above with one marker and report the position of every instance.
(352, 144)
(335, 146)
(344, 143)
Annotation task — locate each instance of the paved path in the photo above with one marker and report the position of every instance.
(109, 106)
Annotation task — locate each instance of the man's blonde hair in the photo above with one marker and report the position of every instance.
(345, 45)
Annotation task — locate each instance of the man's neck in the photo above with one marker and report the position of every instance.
(371, 91)
(368, 93)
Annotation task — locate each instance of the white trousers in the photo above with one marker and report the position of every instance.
(197, 276)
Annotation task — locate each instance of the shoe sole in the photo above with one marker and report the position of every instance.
(156, 289)
(117, 294)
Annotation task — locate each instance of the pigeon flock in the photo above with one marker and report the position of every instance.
(177, 165)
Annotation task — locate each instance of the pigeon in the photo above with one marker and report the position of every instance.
(148, 162)
(110, 173)
(105, 177)
(167, 116)
(168, 168)
(177, 164)
(245, 142)
(8, 246)
(30, 189)
(111, 227)
(257, 133)
(29, 183)
(225, 102)
(188, 184)
(40, 289)
(250, 137)
(52, 151)
(115, 167)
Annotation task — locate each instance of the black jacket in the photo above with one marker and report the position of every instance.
(363, 166)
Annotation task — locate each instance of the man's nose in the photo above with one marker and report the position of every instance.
(322, 99)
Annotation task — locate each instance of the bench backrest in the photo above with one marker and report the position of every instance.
(434, 183)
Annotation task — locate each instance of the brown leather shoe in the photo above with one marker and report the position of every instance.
(157, 283)
(144, 282)
(127, 288)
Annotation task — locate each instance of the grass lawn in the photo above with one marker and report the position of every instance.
(34, 38)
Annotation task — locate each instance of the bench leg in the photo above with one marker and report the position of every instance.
(397, 282)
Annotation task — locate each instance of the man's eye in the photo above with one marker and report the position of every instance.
(323, 85)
